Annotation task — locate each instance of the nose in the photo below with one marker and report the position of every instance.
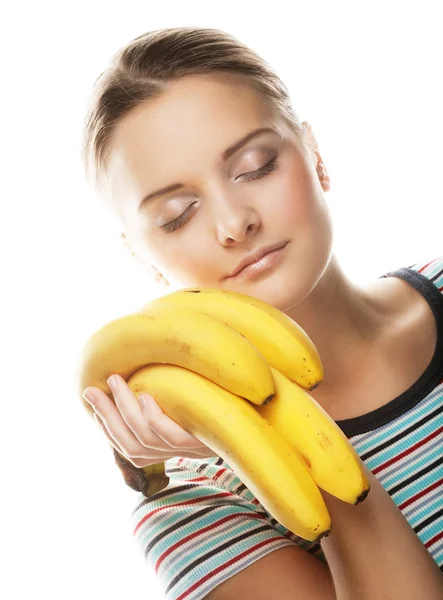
(237, 224)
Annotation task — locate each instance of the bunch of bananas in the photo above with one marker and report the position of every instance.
(235, 372)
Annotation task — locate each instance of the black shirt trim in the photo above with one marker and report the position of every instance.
(429, 379)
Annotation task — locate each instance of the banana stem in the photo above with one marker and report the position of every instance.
(137, 478)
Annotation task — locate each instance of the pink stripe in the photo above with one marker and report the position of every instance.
(219, 473)
(195, 534)
(184, 503)
(434, 539)
(412, 499)
(224, 566)
(426, 266)
(394, 459)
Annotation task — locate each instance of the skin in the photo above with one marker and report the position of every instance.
(374, 340)
(179, 137)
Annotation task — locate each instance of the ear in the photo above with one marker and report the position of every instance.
(311, 144)
(158, 277)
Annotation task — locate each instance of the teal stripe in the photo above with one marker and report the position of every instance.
(430, 531)
(215, 536)
(185, 495)
(434, 269)
(220, 559)
(416, 466)
(178, 513)
(407, 443)
(166, 518)
(427, 511)
(425, 407)
(180, 531)
(218, 539)
(409, 491)
(439, 557)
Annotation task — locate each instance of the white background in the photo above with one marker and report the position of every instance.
(367, 76)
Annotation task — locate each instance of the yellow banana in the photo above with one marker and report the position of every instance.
(180, 336)
(233, 429)
(282, 342)
(310, 431)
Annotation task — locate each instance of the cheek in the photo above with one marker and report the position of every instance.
(294, 202)
(185, 259)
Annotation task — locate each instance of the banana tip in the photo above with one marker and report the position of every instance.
(268, 399)
(322, 535)
(362, 496)
(314, 386)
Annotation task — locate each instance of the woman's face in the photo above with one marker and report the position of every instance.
(226, 207)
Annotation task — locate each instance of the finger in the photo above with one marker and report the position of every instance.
(167, 429)
(203, 452)
(137, 461)
(136, 416)
(119, 431)
(140, 462)
(128, 406)
(151, 427)
(160, 425)
(102, 426)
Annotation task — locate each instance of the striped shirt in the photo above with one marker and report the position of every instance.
(207, 526)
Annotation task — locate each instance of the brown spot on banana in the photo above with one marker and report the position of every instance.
(185, 348)
(324, 441)
(306, 460)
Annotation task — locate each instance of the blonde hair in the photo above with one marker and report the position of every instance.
(145, 66)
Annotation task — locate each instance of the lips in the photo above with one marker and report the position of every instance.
(255, 257)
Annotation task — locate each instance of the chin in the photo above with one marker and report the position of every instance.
(280, 288)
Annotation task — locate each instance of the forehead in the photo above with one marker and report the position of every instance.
(193, 105)
(192, 111)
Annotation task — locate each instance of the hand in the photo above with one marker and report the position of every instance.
(145, 436)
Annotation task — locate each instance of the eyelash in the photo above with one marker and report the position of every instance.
(271, 166)
(268, 168)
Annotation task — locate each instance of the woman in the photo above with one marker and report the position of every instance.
(192, 141)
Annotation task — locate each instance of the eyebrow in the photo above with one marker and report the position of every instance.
(225, 156)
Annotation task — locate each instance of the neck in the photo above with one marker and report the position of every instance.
(345, 322)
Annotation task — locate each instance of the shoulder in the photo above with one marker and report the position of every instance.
(426, 277)
(431, 270)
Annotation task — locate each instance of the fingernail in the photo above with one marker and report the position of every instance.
(112, 382)
(89, 396)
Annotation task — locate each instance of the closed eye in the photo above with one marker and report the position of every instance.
(272, 165)
(176, 223)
